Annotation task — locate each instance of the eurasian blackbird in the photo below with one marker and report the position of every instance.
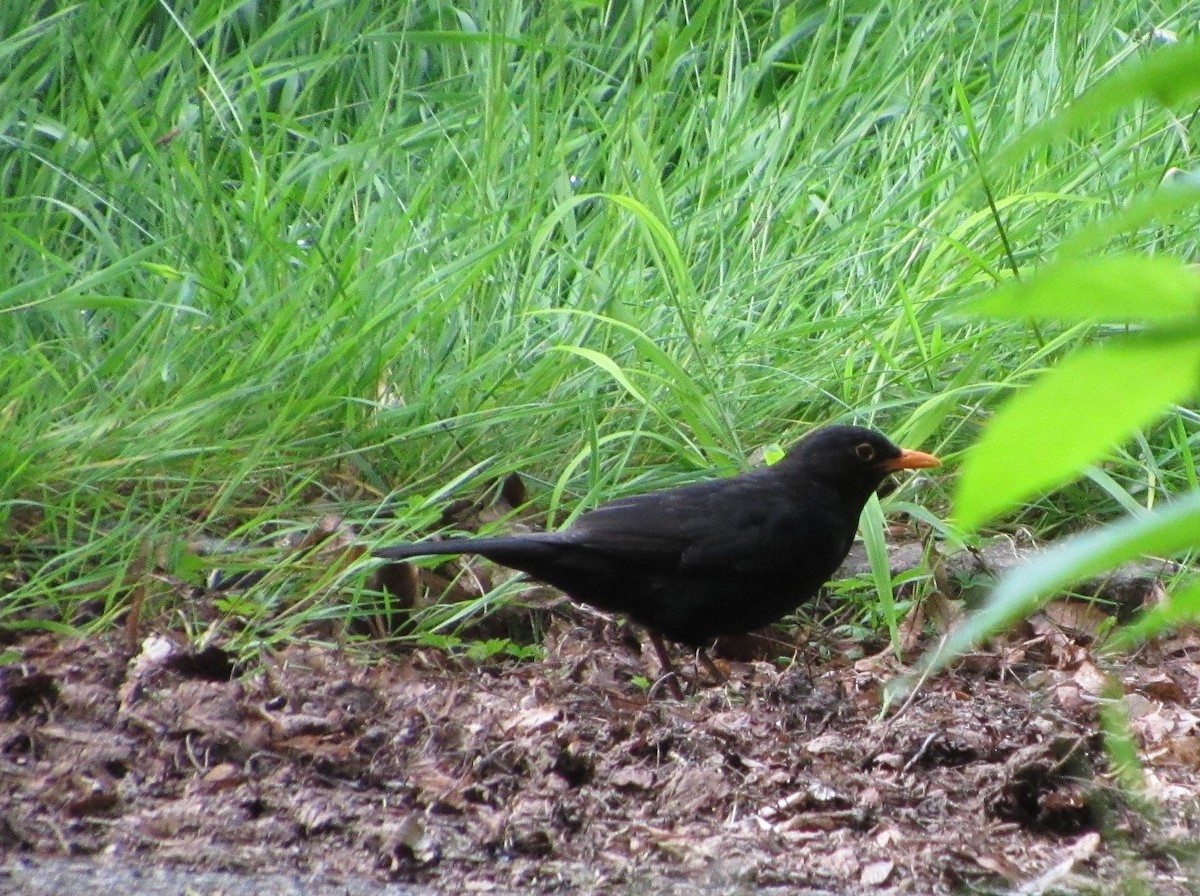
(712, 558)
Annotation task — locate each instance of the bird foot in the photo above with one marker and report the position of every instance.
(671, 682)
(669, 677)
(710, 667)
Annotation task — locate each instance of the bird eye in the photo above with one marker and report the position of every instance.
(865, 451)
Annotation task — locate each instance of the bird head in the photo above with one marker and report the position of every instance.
(852, 457)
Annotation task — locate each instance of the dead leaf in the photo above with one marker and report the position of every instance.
(842, 864)
(222, 777)
(633, 777)
(537, 719)
(1079, 617)
(1163, 687)
(1090, 678)
(876, 873)
(1185, 751)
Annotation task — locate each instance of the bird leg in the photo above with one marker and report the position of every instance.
(671, 678)
(710, 667)
(668, 667)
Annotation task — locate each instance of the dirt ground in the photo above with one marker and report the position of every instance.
(565, 774)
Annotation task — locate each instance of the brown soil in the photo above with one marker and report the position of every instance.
(564, 775)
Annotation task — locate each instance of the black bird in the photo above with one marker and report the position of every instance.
(713, 558)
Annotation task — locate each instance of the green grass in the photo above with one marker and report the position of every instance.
(267, 259)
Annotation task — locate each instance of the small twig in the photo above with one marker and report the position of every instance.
(921, 751)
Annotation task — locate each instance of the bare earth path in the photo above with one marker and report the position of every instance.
(563, 775)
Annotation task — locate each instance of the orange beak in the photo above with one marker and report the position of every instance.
(911, 460)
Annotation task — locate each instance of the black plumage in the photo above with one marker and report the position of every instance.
(713, 558)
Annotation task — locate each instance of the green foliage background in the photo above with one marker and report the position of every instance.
(262, 258)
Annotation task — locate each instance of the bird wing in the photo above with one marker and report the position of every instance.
(641, 527)
(733, 524)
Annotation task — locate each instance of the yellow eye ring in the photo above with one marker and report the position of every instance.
(865, 451)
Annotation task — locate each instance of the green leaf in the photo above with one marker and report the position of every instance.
(1117, 288)
(1047, 434)
(1170, 200)
(1172, 529)
(1166, 75)
(872, 527)
(608, 365)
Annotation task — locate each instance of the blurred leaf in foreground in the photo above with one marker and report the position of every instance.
(1070, 417)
